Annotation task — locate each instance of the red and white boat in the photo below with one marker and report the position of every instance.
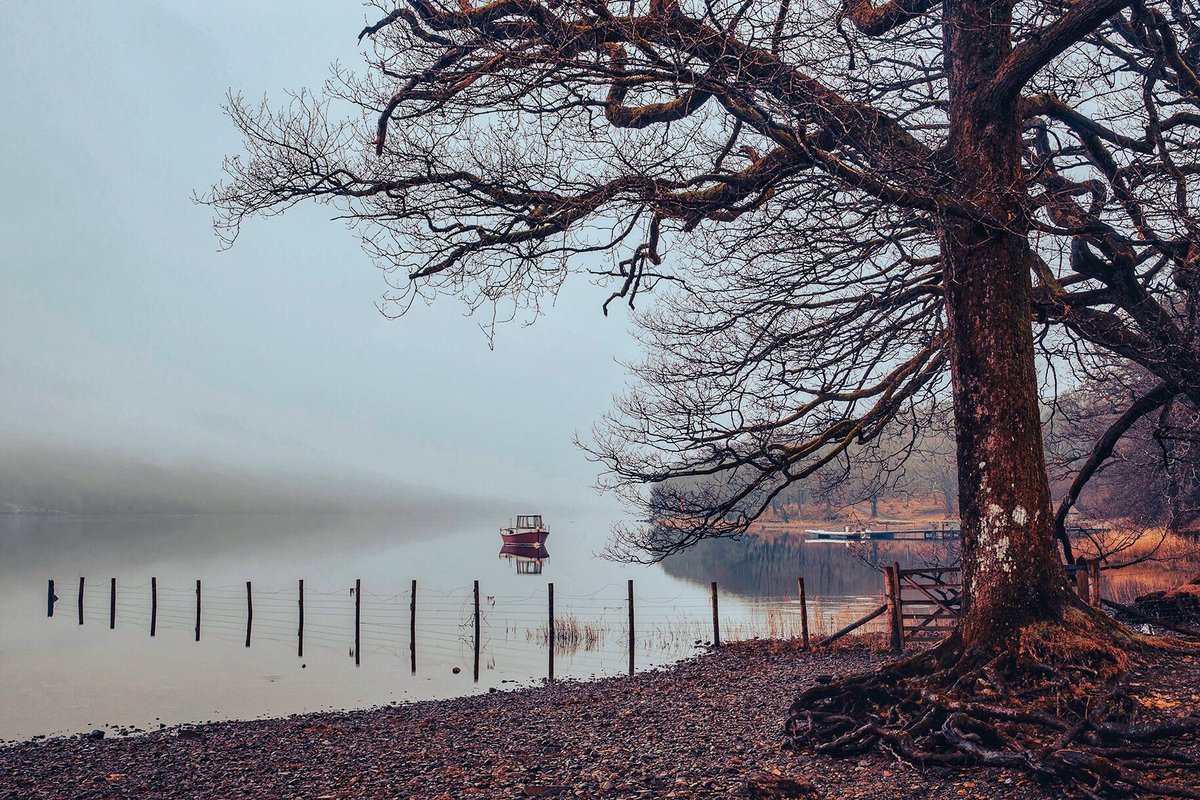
(528, 530)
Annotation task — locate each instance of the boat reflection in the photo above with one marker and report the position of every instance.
(527, 557)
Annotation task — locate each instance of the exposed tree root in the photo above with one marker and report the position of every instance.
(1055, 702)
(1181, 605)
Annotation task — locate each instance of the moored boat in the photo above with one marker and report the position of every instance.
(528, 530)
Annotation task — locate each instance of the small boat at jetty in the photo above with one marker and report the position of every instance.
(528, 531)
(859, 533)
(949, 530)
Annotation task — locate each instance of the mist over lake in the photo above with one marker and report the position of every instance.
(61, 677)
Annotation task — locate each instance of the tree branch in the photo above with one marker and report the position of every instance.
(873, 20)
(1046, 45)
(1155, 398)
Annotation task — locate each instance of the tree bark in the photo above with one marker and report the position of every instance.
(1011, 573)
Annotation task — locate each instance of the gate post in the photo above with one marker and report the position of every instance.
(895, 606)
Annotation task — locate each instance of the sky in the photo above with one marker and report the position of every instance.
(126, 330)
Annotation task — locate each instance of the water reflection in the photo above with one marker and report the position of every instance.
(766, 567)
(528, 558)
(411, 626)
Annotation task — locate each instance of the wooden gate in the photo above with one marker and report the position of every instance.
(927, 601)
(923, 601)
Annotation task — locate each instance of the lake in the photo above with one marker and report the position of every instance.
(60, 677)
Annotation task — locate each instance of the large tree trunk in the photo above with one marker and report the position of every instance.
(1011, 573)
(1028, 672)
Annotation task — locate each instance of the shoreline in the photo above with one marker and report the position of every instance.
(703, 727)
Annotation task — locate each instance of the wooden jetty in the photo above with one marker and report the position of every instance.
(937, 531)
(933, 532)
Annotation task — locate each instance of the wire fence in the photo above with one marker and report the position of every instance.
(602, 630)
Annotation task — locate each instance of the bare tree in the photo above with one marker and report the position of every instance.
(862, 212)
(1150, 475)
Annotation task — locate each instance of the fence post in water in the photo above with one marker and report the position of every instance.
(412, 627)
(197, 609)
(80, 599)
(476, 669)
(895, 605)
(550, 636)
(631, 636)
(803, 612)
(300, 621)
(249, 612)
(153, 605)
(50, 598)
(112, 604)
(357, 618)
(716, 620)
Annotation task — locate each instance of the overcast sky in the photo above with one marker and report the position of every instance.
(125, 329)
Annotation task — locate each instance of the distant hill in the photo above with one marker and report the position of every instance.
(36, 479)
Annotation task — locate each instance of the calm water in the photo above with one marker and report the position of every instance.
(57, 676)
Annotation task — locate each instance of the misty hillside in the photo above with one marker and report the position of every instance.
(46, 479)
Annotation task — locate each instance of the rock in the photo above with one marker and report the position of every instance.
(765, 786)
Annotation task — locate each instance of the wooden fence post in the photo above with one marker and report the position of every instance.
(112, 604)
(197, 609)
(300, 620)
(803, 612)
(476, 671)
(81, 600)
(50, 598)
(1081, 579)
(550, 637)
(153, 606)
(357, 621)
(412, 627)
(1094, 569)
(632, 639)
(249, 613)
(716, 618)
(896, 606)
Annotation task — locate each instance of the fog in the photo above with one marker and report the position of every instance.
(36, 478)
(143, 370)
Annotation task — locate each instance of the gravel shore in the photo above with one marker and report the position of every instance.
(705, 728)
